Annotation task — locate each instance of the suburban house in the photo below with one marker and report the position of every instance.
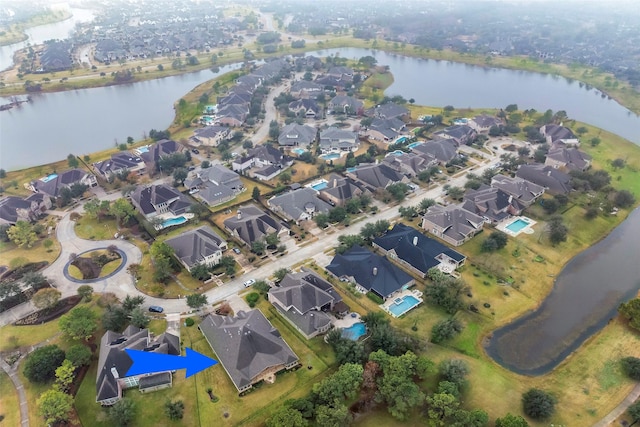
(561, 156)
(214, 185)
(232, 115)
(248, 347)
(294, 134)
(334, 139)
(370, 272)
(385, 129)
(377, 176)
(305, 89)
(53, 183)
(460, 134)
(210, 136)
(154, 200)
(340, 190)
(14, 209)
(416, 251)
(557, 133)
(265, 161)
(341, 72)
(113, 363)
(389, 110)
(524, 191)
(492, 204)
(306, 107)
(453, 224)
(331, 82)
(304, 299)
(199, 246)
(120, 162)
(298, 205)
(151, 154)
(552, 179)
(483, 122)
(343, 104)
(56, 56)
(410, 164)
(251, 224)
(443, 150)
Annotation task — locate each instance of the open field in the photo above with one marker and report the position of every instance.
(8, 401)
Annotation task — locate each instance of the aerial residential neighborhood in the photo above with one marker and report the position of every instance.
(306, 242)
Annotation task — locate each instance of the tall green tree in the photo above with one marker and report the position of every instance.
(72, 161)
(286, 417)
(79, 355)
(65, 374)
(122, 210)
(440, 407)
(538, 404)
(22, 234)
(80, 323)
(85, 292)
(46, 298)
(123, 412)
(196, 301)
(511, 420)
(630, 310)
(139, 318)
(41, 364)
(55, 406)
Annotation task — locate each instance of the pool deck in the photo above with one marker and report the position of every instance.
(502, 226)
(347, 321)
(391, 301)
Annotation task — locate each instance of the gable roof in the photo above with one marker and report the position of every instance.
(293, 134)
(147, 198)
(371, 271)
(459, 133)
(164, 147)
(390, 128)
(252, 224)
(389, 110)
(118, 161)
(491, 203)
(442, 149)
(485, 121)
(269, 153)
(414, 247)
(297, 202)
(409, 163)
(193, 246)
(552, 179)
(306, 104)
(9, 208)
(524, 190)
(246, 345)
(53, 185)
(211, 131)
(572, 158)
(377, 175)
(457, 223)
(557, 132)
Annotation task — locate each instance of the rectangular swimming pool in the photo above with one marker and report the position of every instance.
(401, 305)
(517, 225)
(330, 156)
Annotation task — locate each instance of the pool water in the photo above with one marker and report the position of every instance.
(330, 156)
(415, 144)
(397, 153)
(143, 149)
(299, 151)
(174, 221)
(406, 303)
(319, 186)
(517, 225)
(355, 331)
(49, 177)
(401, 140)
(352, 170)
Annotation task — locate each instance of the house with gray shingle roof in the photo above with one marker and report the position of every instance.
(386, 129)
(443, 150)
(52, 184)
(553, 180)
(119, 163)
(307, 108)
(554, 133)
(344, 104)
(304, 299)
(154, 200)
(410, 164)
(491, 203)
(370, 272)
(293, 135)
(305, 89)
(460, 134)
(526, 192)
(14, 209)
(561, 156)
(340, 190)
(199, 246)
(298, 205)
(453, 224)
(389, 110)
(251, 224)
(210, 135)
(416, 251)
(113, 363)
(334, 139)
(248, 347)
(153, 153)
(377, 176)
(483, 122)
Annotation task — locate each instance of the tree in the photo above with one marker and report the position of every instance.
(445, 291)
(41, 364)
(287, 417)
(557, 230)
(550, 206)
(634, 413)
(255, 194)
(333, 416)
(321, 220)
(85, 292)
(455, 193)
(79, 355)
(195, 301)
(122, 210)
(511, 420)
(130, 303)
(139, 318)
(22, 234)
(200, 271)
(65, 374)
(347, 241)
(631, 367)
(3, 174)
(174, 410)
(445, 330)
(272, 240)
(624, 199)
(179, 175)
(618, 163)
(475, 418)
(496, 240)
(55, 406)
(582, 130)
(199, 210)
(280, 273)
(344, 383)
(511, 108)
(440, 407)
(595, 141)
(258, 247)
(455, 371)
(538, 404)
(114, 318)
(285, 177)
(72, 161)
(630, 310)
(46, 298)
(79, 323)
(123, 412)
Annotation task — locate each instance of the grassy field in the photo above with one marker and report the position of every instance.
(9, 251)
(8, 401)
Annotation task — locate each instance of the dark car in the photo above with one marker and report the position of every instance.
(156, 309)
(236, 250)
(195, 151)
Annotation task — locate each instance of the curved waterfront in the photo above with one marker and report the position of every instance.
(585, 296)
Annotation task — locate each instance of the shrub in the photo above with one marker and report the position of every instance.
(375, 298)
(41, 365)
(538, 404)
(174, 410)
(252, 299)
(445, 330)
(631, 367)
(189, 321)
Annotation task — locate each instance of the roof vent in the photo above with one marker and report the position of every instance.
(375, 271)
(415, 240)
(114, 372)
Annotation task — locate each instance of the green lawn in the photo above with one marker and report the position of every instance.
(9, 404)
(92, 229)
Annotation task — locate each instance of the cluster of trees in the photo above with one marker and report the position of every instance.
(271, 241)
(496, 241)
(630, 310)
(369, 231)
(121, 209)
(169, 163)
(164, 263)
(117, 315)
(445, 291)
(21, 288)
(410, 212)
(557, 230)
(203, 271)
(341, 214)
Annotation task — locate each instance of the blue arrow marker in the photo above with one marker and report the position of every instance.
(146, 362)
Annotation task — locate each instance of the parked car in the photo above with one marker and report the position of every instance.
(156, 309)
(249, 283)
(236, 250)
(195, 151)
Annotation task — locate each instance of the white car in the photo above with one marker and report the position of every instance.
(249, 283)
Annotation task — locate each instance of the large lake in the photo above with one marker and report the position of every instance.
(585, 296)
(88, 120)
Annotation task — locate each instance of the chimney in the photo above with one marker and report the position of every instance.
(239, 215)
(335, 182)
(375, 271)
(114, 372)
(415, 240)
(549, 173)
(510, 199)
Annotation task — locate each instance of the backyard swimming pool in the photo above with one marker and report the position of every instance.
(330, 156)
(397, 153)
(415, 144)
(517, 225)
(355, 331)
(403, 304)
(49, 177)
(174, 221)
(401, 139)
(298, 151)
